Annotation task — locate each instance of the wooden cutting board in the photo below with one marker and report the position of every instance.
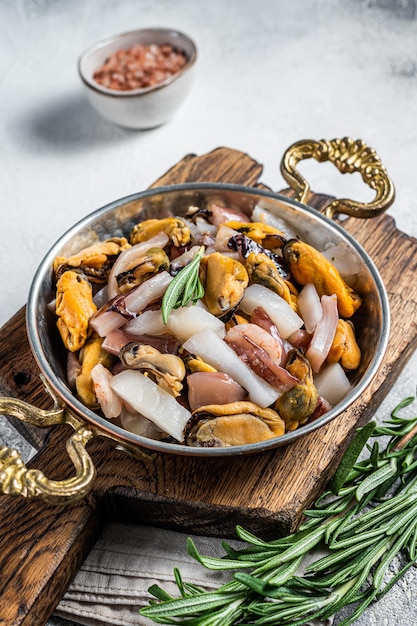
(42, 547)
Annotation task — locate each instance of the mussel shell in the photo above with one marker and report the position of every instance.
(239, 423)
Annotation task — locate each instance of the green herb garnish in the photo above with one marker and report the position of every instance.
(184, 288)
(368, 520)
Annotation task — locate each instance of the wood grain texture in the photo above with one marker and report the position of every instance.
(19, 375)
(220, 165)
(42, 547)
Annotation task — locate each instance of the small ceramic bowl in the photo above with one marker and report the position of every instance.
(147, 107)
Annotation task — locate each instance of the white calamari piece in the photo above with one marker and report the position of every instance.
(332, 383)
(284, 317)
(207, 345)
(148, 399)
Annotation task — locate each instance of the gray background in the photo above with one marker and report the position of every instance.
(270, 72)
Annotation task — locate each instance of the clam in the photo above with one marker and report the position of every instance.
(234, 424)
(167, 370)
(224, 280)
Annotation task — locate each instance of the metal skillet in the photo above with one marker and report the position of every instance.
(116, 219)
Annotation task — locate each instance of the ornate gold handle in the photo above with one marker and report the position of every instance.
(348, 156)
(17, 479)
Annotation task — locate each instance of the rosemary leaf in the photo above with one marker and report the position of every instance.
(399, 524)
(245, 535)
(412, 551)
(281, 575)
(339, 555)
(348, 592)
(371, 555)
(300, 547)
(339, 525)
(382, 512)
(374, 458)
(345, 543)
(359, 611)
(351, 456)
(159, 593)
(402, 405)
(189, 605)
(184, 288)
(395, 579)
(213, 563)
(385, 487)
(381, 475)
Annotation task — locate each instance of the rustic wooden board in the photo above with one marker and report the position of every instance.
(42, 547)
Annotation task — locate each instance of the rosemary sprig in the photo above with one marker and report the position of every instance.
(367, 518)
(184, 288)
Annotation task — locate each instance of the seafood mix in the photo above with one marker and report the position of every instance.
(212, 329)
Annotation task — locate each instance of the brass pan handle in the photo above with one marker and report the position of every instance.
(17, 479)
(348, 156)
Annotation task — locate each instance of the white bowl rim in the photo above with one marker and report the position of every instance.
(92, 84)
